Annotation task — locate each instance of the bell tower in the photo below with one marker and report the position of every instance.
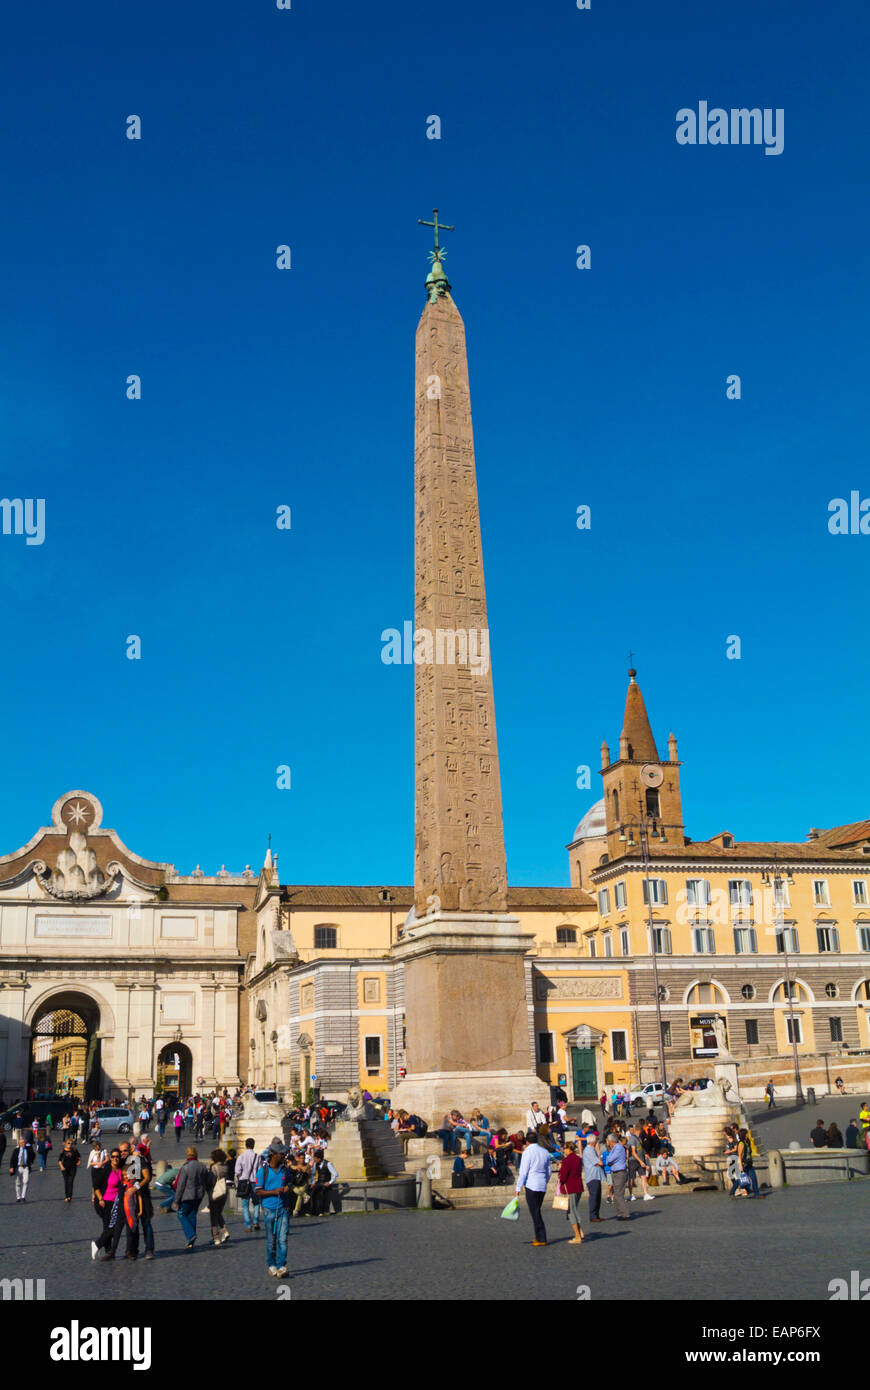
(640, 783)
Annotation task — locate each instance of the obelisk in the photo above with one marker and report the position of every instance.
(467, 1013)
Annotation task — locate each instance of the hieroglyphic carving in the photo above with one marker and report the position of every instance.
(459, 840)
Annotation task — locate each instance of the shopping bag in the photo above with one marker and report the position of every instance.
(560, 1201)
(512, 1210)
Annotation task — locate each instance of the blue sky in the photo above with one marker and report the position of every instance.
(260, 388)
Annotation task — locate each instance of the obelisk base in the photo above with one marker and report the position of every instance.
(469, 1043)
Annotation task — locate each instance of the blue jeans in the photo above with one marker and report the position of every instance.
(461, 1130)
(251, 1212)
(166, 1195)
(187, 1217)
(276, 1237)
(42, 1163)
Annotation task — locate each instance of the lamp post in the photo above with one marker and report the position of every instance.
(777, 881)
(643, 826)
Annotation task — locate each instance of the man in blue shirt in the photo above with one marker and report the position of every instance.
(616, 1162)
(534, 1175)
(272, 1192)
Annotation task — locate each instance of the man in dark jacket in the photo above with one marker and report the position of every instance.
(22, 1162)
(819, 1135)
(194, 1181)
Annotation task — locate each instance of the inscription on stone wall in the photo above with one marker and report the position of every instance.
(74, 926)
(606, 987)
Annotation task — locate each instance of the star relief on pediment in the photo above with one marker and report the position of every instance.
(76, 876)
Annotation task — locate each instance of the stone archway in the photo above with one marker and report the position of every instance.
(175, 1069)
(65, 1045)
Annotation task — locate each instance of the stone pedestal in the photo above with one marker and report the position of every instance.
(365, 1149)
(468, 1037)
(727, 1071)
(697, 1133)
(260, 1121)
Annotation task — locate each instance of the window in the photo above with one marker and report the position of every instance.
(619, 894)
(792, 991)
(703, 941)
(565, 935)
(864, 938)
(625, 943)
(604, 901)
(745, 941)
(836, 1029)
(748, 991)
(593, 948)
(859, 892)
(655, 891)
(615, 806)
(618, 1050)
(545, 1048)
(653, 806)
(706, 993)
(787, 940)
(821, 897)
(740, 892)
(793, 1029)
(579, 872)
(325, 938)
(698, 892)
(607, 943)
(662, 937)
(828, 938)
(751, 1030)
(373, 1052)
(832, 991)
(666, 1034)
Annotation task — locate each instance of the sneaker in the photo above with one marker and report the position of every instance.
(216, 1242)
(632, 1198)
(149, 1254)
(649, 1197)
(282, 1271)
(95, 1250)
(273, 1270)
(225, 1237)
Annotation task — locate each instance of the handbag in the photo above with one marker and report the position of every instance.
(219, 1189)
(560, 1201)
(244, 1189)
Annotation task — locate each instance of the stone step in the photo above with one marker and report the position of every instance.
(465, 1198)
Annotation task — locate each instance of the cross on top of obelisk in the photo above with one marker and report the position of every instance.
(439, 226)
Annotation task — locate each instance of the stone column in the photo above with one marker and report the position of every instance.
(121, 1053)
(207, 990)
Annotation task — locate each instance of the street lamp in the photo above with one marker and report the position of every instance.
(777, 881)
(644, 826)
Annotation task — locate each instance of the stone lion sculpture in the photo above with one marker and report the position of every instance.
(713, 1097)
(356, 1108)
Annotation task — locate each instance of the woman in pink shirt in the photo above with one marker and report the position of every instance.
(110, 1202)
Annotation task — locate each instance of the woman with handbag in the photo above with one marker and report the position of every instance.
(570, 1190)
(246, 1167)
(217, 1197)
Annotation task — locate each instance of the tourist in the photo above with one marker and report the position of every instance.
(193, 1183)
(839, 1085)
(138, 1174)
(19, 1168)
(819, 1135)
(864, 1120)
(178, 1122)
(638, 1168)
(571, 1183)
(323, 1176)
(533, 1177)
(69, 1162)
(617, 1164)
(667, 1164)
(535, 1117)
(96, 1129)
(144, 1118)
(732, 1141)
(502, 1153)
(604, 1103)
(480, 1126)
(217, 1196)
(65, 1124)
(84, 1121)
(299, 1175)
(852, 1135)
(98, 1166)
(835, 1138)
(271, 1191)
(110, 1201)
(43, 1149)
(770, 1093)
(587, 1118)
(747, 1164)
(593, 1175)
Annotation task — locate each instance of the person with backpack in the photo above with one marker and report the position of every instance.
(272, 1192)
(770, 1093)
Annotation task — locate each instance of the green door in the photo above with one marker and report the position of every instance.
(583, 1068)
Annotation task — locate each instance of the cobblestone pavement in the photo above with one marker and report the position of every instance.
(788, 1246)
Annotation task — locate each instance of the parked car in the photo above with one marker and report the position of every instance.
(116, 1118)
(653, 1093)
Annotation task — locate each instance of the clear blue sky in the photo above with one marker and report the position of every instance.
(261, 388)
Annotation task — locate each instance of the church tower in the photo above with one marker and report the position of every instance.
(466, 981)
(639, 783)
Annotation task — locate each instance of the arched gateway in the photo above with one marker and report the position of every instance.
(108, 959)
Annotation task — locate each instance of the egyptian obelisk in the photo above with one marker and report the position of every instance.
(467, 1008)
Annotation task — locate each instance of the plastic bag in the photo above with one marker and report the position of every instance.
(512, 1210)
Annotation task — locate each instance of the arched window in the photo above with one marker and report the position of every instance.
(325, 938)
(565, 935)
(616, 805)
(705, 992)
(781, 993)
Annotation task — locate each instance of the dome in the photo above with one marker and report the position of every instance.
(593, 824)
